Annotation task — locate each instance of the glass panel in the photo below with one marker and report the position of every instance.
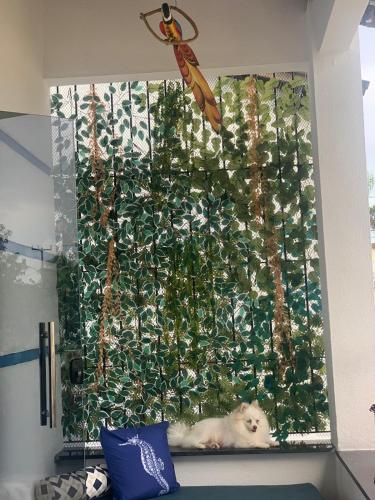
(38, 289)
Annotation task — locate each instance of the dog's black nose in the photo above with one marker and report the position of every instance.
(254, 428)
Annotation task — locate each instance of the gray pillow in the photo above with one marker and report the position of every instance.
(63, 487)
(88, 484)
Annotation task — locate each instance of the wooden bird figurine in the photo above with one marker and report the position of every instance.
(188, 64)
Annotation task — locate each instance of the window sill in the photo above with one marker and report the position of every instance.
(97, 454)
(286, 448)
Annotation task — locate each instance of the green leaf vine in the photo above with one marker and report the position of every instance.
(198, 253)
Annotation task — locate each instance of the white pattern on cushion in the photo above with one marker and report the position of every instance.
(63, 487)
(97, 481)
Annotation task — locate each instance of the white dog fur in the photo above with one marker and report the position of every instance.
(246, 427)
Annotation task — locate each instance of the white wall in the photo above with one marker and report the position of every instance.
(92, 38)
(22, 87)
(315, 468)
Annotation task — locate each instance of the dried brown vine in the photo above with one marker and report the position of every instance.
(96, 159)
(106, 308)
(260, 188)
(254, 157)
(97, 168)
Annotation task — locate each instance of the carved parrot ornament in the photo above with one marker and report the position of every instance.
(188, 65)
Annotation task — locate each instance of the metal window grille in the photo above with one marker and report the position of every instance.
(195, 355)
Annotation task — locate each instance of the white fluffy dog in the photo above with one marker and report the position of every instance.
(246, 427)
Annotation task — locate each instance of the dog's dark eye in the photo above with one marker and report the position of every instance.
(257, 421)
(249, 421)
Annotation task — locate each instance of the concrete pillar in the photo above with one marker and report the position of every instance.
(344, 242)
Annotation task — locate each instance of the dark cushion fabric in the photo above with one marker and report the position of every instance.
(139, 462)
(289, 492)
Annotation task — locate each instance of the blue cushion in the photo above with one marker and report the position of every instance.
(139, 462)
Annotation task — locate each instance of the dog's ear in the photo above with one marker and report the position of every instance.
(237, 413)
(243, 407)
(255, 403)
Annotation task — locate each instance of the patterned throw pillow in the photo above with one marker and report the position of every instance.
(63, 487)
(139, 462)
(97, 481)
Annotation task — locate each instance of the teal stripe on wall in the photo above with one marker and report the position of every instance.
(16, 358)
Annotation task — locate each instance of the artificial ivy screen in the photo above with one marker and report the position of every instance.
(199, 269)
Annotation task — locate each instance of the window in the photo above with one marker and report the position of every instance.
(199, 265)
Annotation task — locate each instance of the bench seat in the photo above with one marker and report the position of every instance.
(288, 492)
(285, 492)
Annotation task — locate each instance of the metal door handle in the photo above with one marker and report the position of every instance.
(42, 374)
(52, 373)
(50, 336)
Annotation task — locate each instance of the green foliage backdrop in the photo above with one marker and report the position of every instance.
(198, 254)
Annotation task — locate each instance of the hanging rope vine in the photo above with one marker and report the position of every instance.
(95, 151)
(261, 195)
(97, 166)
